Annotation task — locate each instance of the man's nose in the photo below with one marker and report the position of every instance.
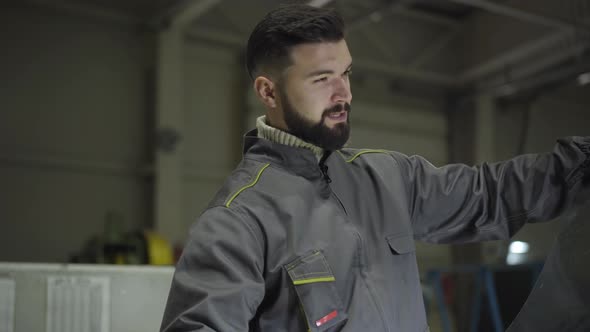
(342, 91)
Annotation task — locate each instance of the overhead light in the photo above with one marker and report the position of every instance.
(584, 78)
(519, 247)
(515, 259)
(517, 253)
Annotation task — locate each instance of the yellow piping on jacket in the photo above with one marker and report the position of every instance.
(252, 184)
(361, 153)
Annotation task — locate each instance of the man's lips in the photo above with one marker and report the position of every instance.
(338, 116)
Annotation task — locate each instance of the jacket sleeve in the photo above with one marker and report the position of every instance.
(218, 283)
(458, 203)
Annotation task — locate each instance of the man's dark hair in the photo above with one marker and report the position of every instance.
(273, 37)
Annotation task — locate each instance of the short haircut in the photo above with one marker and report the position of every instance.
(273, 37)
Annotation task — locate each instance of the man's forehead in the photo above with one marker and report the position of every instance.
(314, 54)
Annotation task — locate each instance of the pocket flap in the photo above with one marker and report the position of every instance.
(310, 268)
(313, 281)
(401, 244)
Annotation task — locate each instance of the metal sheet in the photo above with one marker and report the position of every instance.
(7, 290)
(560, 300)
(135, 296)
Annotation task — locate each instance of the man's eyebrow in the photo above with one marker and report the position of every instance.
(326, 71)
(320, 72)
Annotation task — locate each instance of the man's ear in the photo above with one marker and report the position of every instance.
(265, 91)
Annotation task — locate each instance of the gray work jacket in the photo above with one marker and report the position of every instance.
(290, 244)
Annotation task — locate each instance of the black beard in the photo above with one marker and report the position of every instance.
(317, 133)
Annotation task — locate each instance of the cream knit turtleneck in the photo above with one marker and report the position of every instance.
(282, 137)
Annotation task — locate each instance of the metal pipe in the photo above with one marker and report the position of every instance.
(425, 17)
(319, 3)
(400, 8)
(86, 10)
(433, 49)
(523, 52)
(183, 12)
(79, 166)
(529, 75)
(522, 15)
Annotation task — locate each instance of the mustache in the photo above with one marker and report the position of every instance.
(337, 108)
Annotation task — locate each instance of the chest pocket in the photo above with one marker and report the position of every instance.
(313, 281)
(403, 273)
(401, 243)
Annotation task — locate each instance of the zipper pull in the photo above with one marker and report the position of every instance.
(324, 169)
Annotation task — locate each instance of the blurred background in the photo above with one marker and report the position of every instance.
(120, 119)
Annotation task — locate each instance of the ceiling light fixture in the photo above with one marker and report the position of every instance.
(519, 247)
(584, 78)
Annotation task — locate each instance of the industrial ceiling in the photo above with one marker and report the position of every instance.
(500, 46)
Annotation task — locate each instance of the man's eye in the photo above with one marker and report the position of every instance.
(348, 72)
(321, 79)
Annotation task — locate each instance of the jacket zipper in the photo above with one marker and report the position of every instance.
(324, 170)
(324, 167)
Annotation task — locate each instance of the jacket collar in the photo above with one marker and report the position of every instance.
(298, 160)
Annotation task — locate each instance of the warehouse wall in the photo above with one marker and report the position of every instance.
(215, 111)
(73, 131)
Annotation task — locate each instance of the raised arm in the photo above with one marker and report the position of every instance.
(458, 203)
